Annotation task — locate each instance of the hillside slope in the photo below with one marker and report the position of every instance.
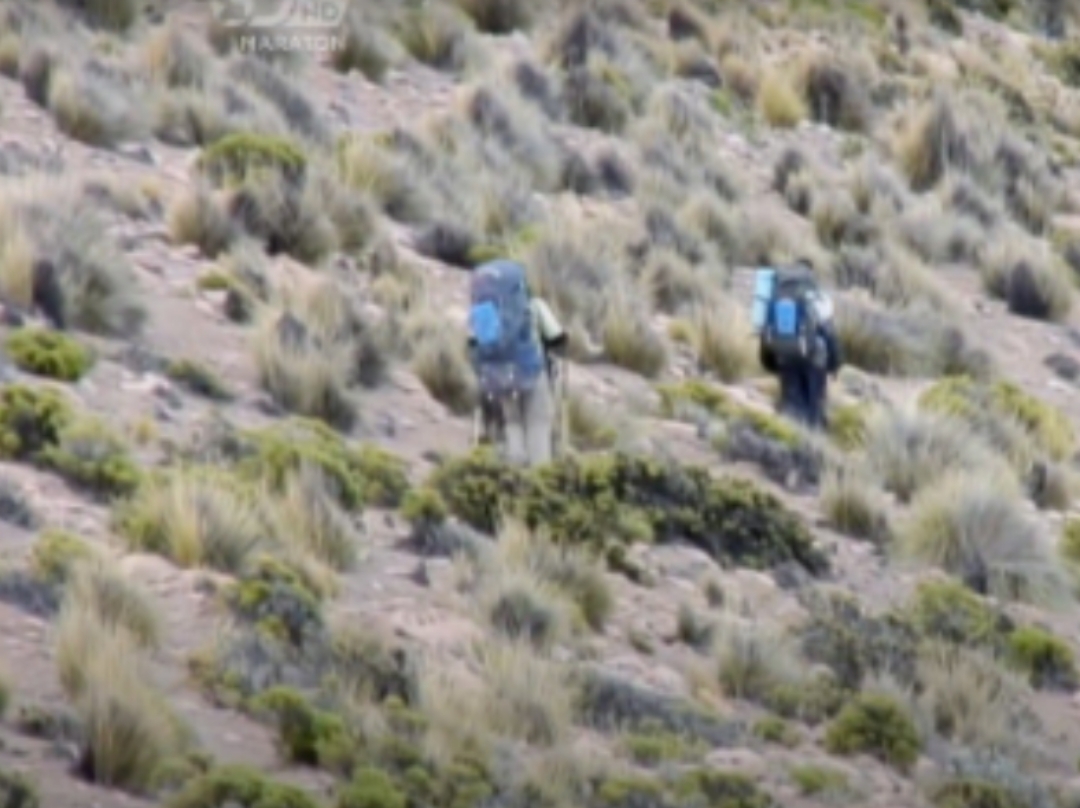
(248, 557)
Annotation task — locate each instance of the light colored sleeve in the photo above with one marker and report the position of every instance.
(546, 322)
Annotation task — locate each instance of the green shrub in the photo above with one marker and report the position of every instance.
(875, 725)
(774, 729)
(847, 425)
(371, 788)
(93, 458)
(31, 419)
(359, 475)
(606, 500)
(198, 379)
(980, 404)
(722, 788)
(16, 791)
(948, 610)
(278, 601)
(53, 354)
(967, 792)
(657, 746)
(56, 553)
(855, 645)
(236, 158)
(1069, 546)
(304, 732)
(818, 780)
(239, 786)
(1046, 660)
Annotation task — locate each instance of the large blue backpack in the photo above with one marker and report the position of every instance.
(792, 320)
(506, 351)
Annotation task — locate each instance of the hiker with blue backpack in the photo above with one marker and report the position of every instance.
(798, 341)
(513, 338)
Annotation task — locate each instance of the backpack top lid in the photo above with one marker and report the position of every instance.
(500, 278)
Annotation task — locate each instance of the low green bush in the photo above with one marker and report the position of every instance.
(53, 354)
(606, 501)
(875, 725)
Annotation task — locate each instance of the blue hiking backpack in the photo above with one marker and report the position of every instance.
(792, 320)
(506, 351)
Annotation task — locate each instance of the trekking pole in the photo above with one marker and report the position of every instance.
(564, 408)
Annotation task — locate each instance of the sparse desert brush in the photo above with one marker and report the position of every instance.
(48, 353)
(722, 340)
(515, 693)
(938, 138)
(589, 425)
(56, 554)
(78, 276)
(910, 451)
(284, 94)
(198, 216)
(853, 505)
(95, 108)
(97, 588)
(128, 730)
(778, 99)
(942, 234)
(505, 120)
(90, 456)
(754, 658)
(996, 409)
(302, 376)
(387, 174)
(113, 15)
(597, 96)
(193, 516)
(176, 58)
(440, 36)
(836, 91)
(627, 335)
(969, 697)
(304, 513)
(673, 282)
(198, 379)
(368, 47)
(976, 529)
(501, 16)
(442, 365)
(1028, 276)
(573, 575)
(912, 341)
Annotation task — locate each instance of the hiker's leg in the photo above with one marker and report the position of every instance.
(514, 446)
(792, 393)
(815, 397)
(539, 422)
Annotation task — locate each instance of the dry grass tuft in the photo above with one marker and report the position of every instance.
(1028, 276)
(306, 516)
(194, 518)
(853, 504)
(778, 100)
(198, 216)
(98, 589)
(976, 529)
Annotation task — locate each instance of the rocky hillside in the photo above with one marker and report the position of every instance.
(249, 559)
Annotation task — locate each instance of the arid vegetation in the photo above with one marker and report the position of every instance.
(249, 557)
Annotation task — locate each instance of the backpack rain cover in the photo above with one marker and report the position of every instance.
(791, 323)
(506, 352)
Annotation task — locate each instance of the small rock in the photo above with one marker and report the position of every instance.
(137, 152)
(1065, 366)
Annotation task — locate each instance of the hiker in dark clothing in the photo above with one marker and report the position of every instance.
(806, 356)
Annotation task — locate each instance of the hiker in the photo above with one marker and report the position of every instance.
(798, 341)
(512, 339)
